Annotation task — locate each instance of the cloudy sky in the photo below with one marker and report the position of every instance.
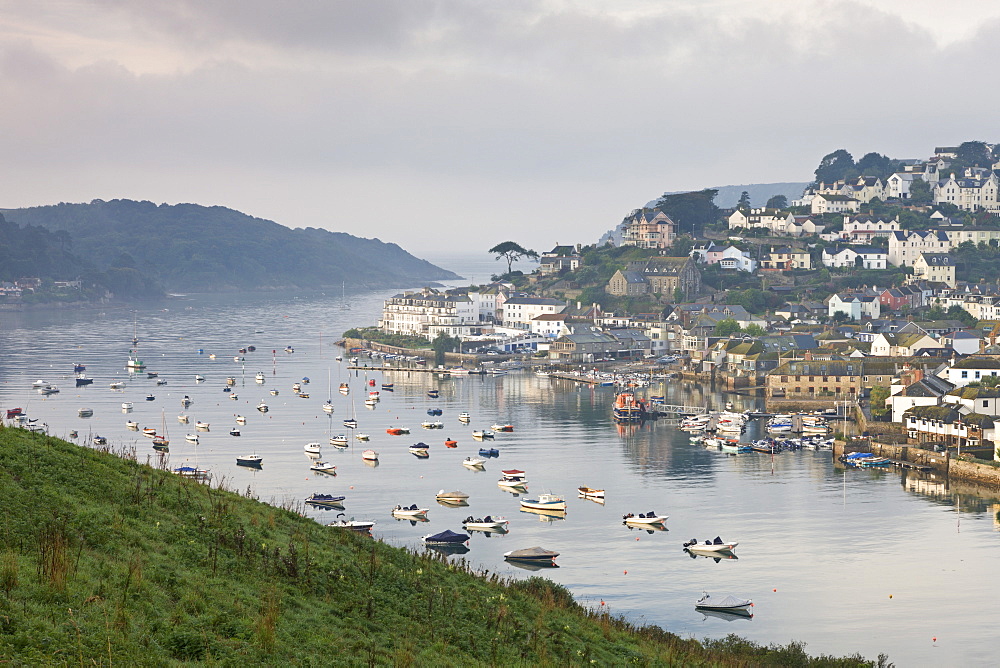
(454, 125)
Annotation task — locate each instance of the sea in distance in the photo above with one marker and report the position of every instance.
(842, 560)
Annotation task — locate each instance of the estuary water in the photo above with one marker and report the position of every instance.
(844, 561)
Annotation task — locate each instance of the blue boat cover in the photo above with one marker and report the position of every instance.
(448, 536)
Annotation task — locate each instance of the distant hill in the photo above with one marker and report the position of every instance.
(759, 193)
(201, 248)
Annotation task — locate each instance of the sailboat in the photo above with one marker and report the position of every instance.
(161, 441)
(352, 422)
(344, 305)
(328, 406)
(134, 363)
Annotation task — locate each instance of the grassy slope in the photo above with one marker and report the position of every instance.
(104, 560)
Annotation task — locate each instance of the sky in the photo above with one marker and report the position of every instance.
(450, 126)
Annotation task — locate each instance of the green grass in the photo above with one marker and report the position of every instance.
(104, 560)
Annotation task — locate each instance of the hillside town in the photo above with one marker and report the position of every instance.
(877, 293)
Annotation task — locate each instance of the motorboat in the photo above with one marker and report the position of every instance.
(473, 462)
(464, 417)
(361, 526)
(240, 419)
(198, 378)
(591, 493)
(513, 479)
(488, 523)
(730, 604)
(709, 546)
(289, 350)
(231, 380)
(183, 419)
(327, 406)
(433, 394)
(434, 411)
(47, 390)
(161, 381)
(39, 383)
(259, 377)
(369, 455)
(117, 385)
(253, 461)
(100, 440)
(432, 425)
(502, 427)
(235, 431)
(127, 405)
(79, 368)
(396, 431)
(545, 502)
(325, 500)
(339, 441)
(132, 425)
(186, 401)
(446, 537)
(82, 380)
(351, 423)
(452, 497)
(361, 436)
(262, 407)
(450, 443)
(152, 374)
(419, 447)
(644, 519)
(344, 389)
(531, 554)
(409, 512)
(303, 395)
(149, 431)
(233, 396)
(274, 393)
(489, 452)
(388, 387)
(85, 412)
(312, 448)
(202, 426)
(323, 467)
(150, 397)
(191, 438)
(479, 435)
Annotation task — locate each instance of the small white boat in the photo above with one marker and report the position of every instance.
(127, 405)
(240, 419)
(262, 407)
(296, 387)
(369, 455)
(198, 378)
(253, 461)
(131, 424)
(590, 493)
(474, 462)
(353, 525)
(323, 467)
(234, 431)
(730, 604)
(339, 441)
(644, 519)
(274, 393)
(193, 472)
(371, 401)
(39, 383)
(149, 432)
(487, 523)
(48, 389)
(452, 497)
(191, 438)
(259, 377)
(186, 401)
(85, 412)
(464, 417)
(484, 434)
(412, 511)
(327, 407)
(545, 502)
(313, 448)
(183, 419)
(202, 426)
(709, 547)
(117, 385)
(361, 437)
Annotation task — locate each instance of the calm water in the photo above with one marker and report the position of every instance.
(821, 550)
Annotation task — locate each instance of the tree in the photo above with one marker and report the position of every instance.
(878, 396)
(727, 327)
(512, 252)
(744, 202)
(972, 153)
(835, 166)
(777, 202)
(875, 164)
(920, 191)
(691, 211)
(442, 344)
(754, 329)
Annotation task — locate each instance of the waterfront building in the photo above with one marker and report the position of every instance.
(947, 426)
(518, 312)
(428, 312)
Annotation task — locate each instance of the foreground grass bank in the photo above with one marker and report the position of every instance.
(104, 560)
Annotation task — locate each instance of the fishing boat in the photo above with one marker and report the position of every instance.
(446, 537)
(323, 467)
(545, 502)
(730, 604)
(590, 493)
(339, 441)
(312, 448)
(262, 407)
(13, 413)
(513, 479)
(82, 380)
(474, 462)
(644, 519)
(369, 455)
(709, 546)
(628, 408)
(252, 461)
(325, 500)
(409, 512)
(127, 405)
(202, 426)
(488, 523)
(531, 554)
(191, 438)
(451, 497)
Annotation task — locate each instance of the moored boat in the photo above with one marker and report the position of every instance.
(409, 512)
(730, 604)
(649, 518)
(446, 537)
(325, 500)
(473, 462)
(531, 554)
(545, 502)
(451, 497)
(323, 467)
(709, 546)
(369, 455)
(488, 523)
(312, 448)
(590, 493)
(253, 461)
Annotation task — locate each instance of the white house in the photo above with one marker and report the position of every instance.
(822, 203)
(935, 267)
(898, 185)
(774, 220)
(971, 369)
(963, 343)
(550, 325)
(867, 257)
(906, 246)
(902, 345)
(863, 228)
(855, 307)
(519, 312)
(974, 190)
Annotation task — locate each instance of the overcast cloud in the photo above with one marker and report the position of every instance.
(455, 125)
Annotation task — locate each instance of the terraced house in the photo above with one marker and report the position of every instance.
(827, 379)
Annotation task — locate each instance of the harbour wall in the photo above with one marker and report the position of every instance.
(953, 468)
